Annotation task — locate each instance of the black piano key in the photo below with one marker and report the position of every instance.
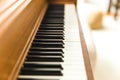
(60, 8)
(55, 16)
(47, 45)
(50, 31)
(41, 66)
(46, 50)
(52, 52)
(49, 41)
(53, 21)
(51, 34)
(57, 36)
(56, 6)
(45, 54)
(55, 12)
(49, 37)
(52, 25)
(51, 28)
(43, 59)
(44, 41)
(55, 9)
(40, 72)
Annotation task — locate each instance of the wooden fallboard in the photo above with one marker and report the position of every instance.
(19, 21)
(18, 24)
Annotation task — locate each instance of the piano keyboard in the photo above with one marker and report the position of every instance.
(55, 53)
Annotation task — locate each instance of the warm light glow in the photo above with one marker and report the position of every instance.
(107, 42)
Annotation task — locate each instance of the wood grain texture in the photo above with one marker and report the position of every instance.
(16, 33)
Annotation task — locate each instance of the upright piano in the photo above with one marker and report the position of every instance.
(42, 40)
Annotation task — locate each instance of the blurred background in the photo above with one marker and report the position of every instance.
(103, 19)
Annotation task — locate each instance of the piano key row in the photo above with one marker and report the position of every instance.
(47, 46)
(73, 65)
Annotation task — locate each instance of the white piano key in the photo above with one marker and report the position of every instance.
(38, 77)
(74, 67)
(71, 24)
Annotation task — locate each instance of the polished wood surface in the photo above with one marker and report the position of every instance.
(16, 32)
(18, 24)
(86, 55)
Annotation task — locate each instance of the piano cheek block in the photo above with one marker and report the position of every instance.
(92, 53)
(88, 36)
(89, 42)
(90, 46)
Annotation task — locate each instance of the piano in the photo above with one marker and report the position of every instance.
(42, 40)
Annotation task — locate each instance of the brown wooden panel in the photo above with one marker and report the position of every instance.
(85, 52)
(16, 33)
(62, 1)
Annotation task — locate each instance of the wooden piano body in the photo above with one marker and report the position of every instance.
(19, 20)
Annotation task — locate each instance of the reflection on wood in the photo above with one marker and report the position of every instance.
(16, 33)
